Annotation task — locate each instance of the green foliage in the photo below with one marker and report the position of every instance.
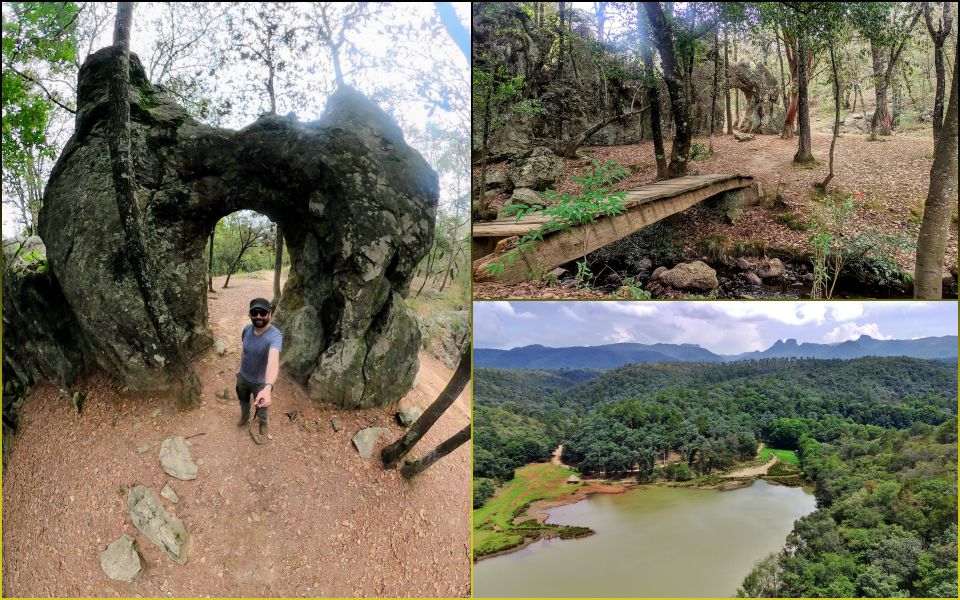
(699, 151)
(827, 243)
(792, 221)
(872, 255)
(39, 43)
(594, 201)
(631, 290)
(787, 456)
(886, 519)
(483, 490)
(786, 433)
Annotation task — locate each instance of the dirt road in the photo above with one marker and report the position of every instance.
(302, 516)
(752, 471)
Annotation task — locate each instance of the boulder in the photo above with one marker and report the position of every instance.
(764, 111)
(497, 179)
(694, 276)
(644, 264)
(753, 279)
(657, 273)
(160, 527)
(526, 196)
(365, 439)
(120, 561)
(743, 137)
(408, 415)
(743, 264)
(356, 203)
(175, 459)
(537, 171)
(771, 268)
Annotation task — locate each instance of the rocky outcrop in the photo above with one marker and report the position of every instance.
(357, 207)
(764, 112)
(538, 171)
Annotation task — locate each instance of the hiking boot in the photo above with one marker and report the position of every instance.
(259, 433)
(244, 416)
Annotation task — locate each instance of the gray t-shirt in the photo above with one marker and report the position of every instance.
(253, 366)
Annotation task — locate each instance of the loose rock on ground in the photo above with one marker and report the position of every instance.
(160, 527)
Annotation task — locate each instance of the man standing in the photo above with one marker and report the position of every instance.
(259, 366)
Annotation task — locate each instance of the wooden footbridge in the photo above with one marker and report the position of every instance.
(646, 205)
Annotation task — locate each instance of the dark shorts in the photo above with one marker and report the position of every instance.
(247, 391)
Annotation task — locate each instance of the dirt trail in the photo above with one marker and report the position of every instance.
(752, 471)
(555, 457)
(302, 516)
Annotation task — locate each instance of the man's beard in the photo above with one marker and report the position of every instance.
(260, 323)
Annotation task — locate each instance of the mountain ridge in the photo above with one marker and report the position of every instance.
(611, 356)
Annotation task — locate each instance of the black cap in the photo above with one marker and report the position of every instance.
(261, 303)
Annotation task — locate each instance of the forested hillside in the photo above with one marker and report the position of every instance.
(886, 524)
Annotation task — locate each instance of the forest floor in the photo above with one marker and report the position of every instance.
(301, 516)
(892, 175)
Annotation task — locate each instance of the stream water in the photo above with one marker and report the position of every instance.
(651, 542)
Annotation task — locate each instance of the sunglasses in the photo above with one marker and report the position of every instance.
(258, 312)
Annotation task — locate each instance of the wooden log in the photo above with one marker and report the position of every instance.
(645, 207)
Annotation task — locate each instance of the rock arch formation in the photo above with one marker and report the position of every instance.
(357, 207)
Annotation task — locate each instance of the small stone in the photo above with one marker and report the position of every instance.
(644, 264)
(221, 347)
(175, 459)
(657, 273)
(570, 283)
(808, 277)
(168, 493)
(743, 264)
(364, 441)
(255, 517)
(559, 272)
(743, 137)
(335, 423)
(144, 448)
(753, 279)
(156, 413)
(77, 400)
(120, 561)
(408, 415)
(199, 461)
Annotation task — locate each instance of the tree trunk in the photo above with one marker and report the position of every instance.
(716, 77)
(210, 260)
(412, 469)
(673, 78)
(736, 92)
(570, 149)
(131, 220)
(881, 123)
(653, 92)
(392, 454)
(937, 210)
(939, 36)
(789, 120)
(803, 154)
(482, 210)
(561, 10)
(277, 266)
(726, 80)
(783, 76)
(836, 118)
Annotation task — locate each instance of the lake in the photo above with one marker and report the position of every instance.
(652, 541)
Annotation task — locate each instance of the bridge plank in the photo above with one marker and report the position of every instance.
(569, 244)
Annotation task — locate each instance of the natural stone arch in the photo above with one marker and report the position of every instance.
(357, 207)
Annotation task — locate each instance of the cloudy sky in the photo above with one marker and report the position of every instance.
(721, 327)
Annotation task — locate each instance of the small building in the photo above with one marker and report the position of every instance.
(573, 479)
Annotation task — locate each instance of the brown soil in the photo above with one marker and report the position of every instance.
(893, 175)
(301, 516)
(752, 471)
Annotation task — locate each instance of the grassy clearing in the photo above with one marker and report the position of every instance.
(540, 481)
(787, 456)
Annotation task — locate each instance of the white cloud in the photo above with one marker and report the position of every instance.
(620, 335)
(566, 310)
(505, 308)
(635, 309)
(852, 331)
(791, 313)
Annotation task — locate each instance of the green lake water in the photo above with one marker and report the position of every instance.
(651, 542)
